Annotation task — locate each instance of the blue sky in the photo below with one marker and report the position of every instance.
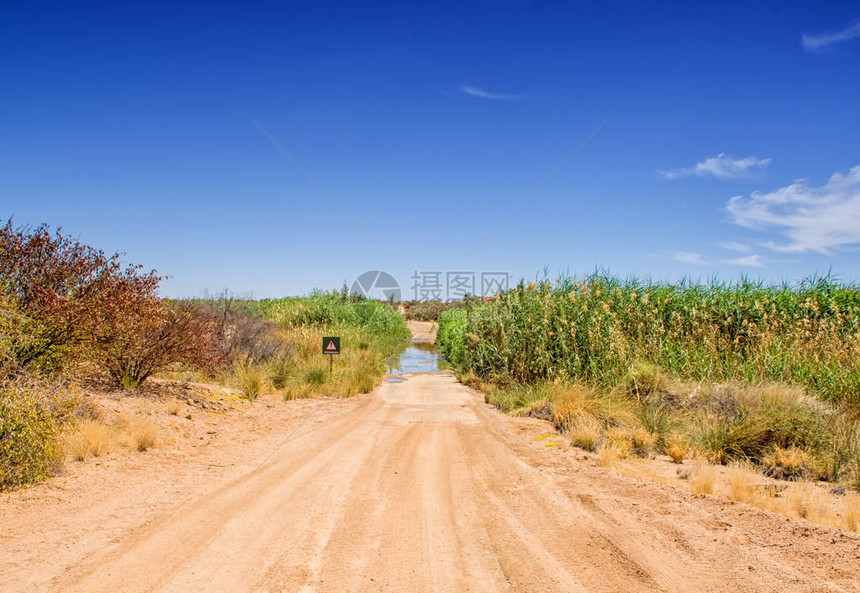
(732, 143)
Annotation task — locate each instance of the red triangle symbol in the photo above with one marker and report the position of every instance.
(331, 346)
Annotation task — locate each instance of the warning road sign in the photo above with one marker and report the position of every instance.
(331, 345)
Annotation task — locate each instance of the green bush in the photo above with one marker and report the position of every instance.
(31, 419)
(451, 337)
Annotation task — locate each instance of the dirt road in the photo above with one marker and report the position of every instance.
(419, 486)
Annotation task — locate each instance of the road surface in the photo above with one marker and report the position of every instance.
(419, 486)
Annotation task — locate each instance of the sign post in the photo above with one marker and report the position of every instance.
(331, 346)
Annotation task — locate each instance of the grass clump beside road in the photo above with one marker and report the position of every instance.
(725, 372)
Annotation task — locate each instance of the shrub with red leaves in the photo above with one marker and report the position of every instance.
(68, 291)
(151, 339)
(77, 301)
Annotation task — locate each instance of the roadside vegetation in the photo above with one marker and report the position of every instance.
(371, 332)
(768, 376)
(74, 320)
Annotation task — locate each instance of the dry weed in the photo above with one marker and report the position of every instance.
(677, 447)
(803, 500)
(702, 480)
(620, 441)
(643, 442)
(142, 435)
(576, 404)
(608, 457)
(851, 512)
(742, 484)
(585, 438)
(787, 463)
(90, 438)
(585, 434)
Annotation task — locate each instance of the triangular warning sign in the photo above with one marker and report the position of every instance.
(330, 347)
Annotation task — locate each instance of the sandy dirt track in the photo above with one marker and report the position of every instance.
(419, 486)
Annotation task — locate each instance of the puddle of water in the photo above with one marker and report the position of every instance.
(418, 357)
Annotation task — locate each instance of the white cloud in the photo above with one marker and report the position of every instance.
(721, 166)
(814, 43)
(748, 261)
(482, 94)
(737, 247)
(688, 257)
(814, 219)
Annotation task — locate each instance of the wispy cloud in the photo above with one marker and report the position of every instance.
(689, 257)
(482, 94)
(813, 219)
(721, 166)
(738, 247)
(748, 261)
(816, 43)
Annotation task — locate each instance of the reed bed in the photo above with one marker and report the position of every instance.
(596, 329)
(723, 372)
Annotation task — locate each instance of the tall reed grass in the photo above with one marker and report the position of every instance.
(727, 372)
(596, 328)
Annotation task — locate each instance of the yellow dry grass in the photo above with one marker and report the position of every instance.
(677, 447)
(851, 512)
(792, 460)
(585, 437)
(619, 440)
(806, 501)
(702, 479)
(574, 405)
(643, 442)
(608, 457)
(142, 434)
(742, 484)
(174, 406)
(90, 438)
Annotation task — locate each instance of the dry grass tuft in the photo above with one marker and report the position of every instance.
(742, 484)
(90, 438)
(608, 457)
(575, 405)
(643, 442)
(142, 435)
(252, 381)
(787, 463)
(364, 376)
(805, 501)
(851, 512)
(702, 480)
(174, 406)
(677, 447)
(620, 441)
(646, 379)
(585, 438)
